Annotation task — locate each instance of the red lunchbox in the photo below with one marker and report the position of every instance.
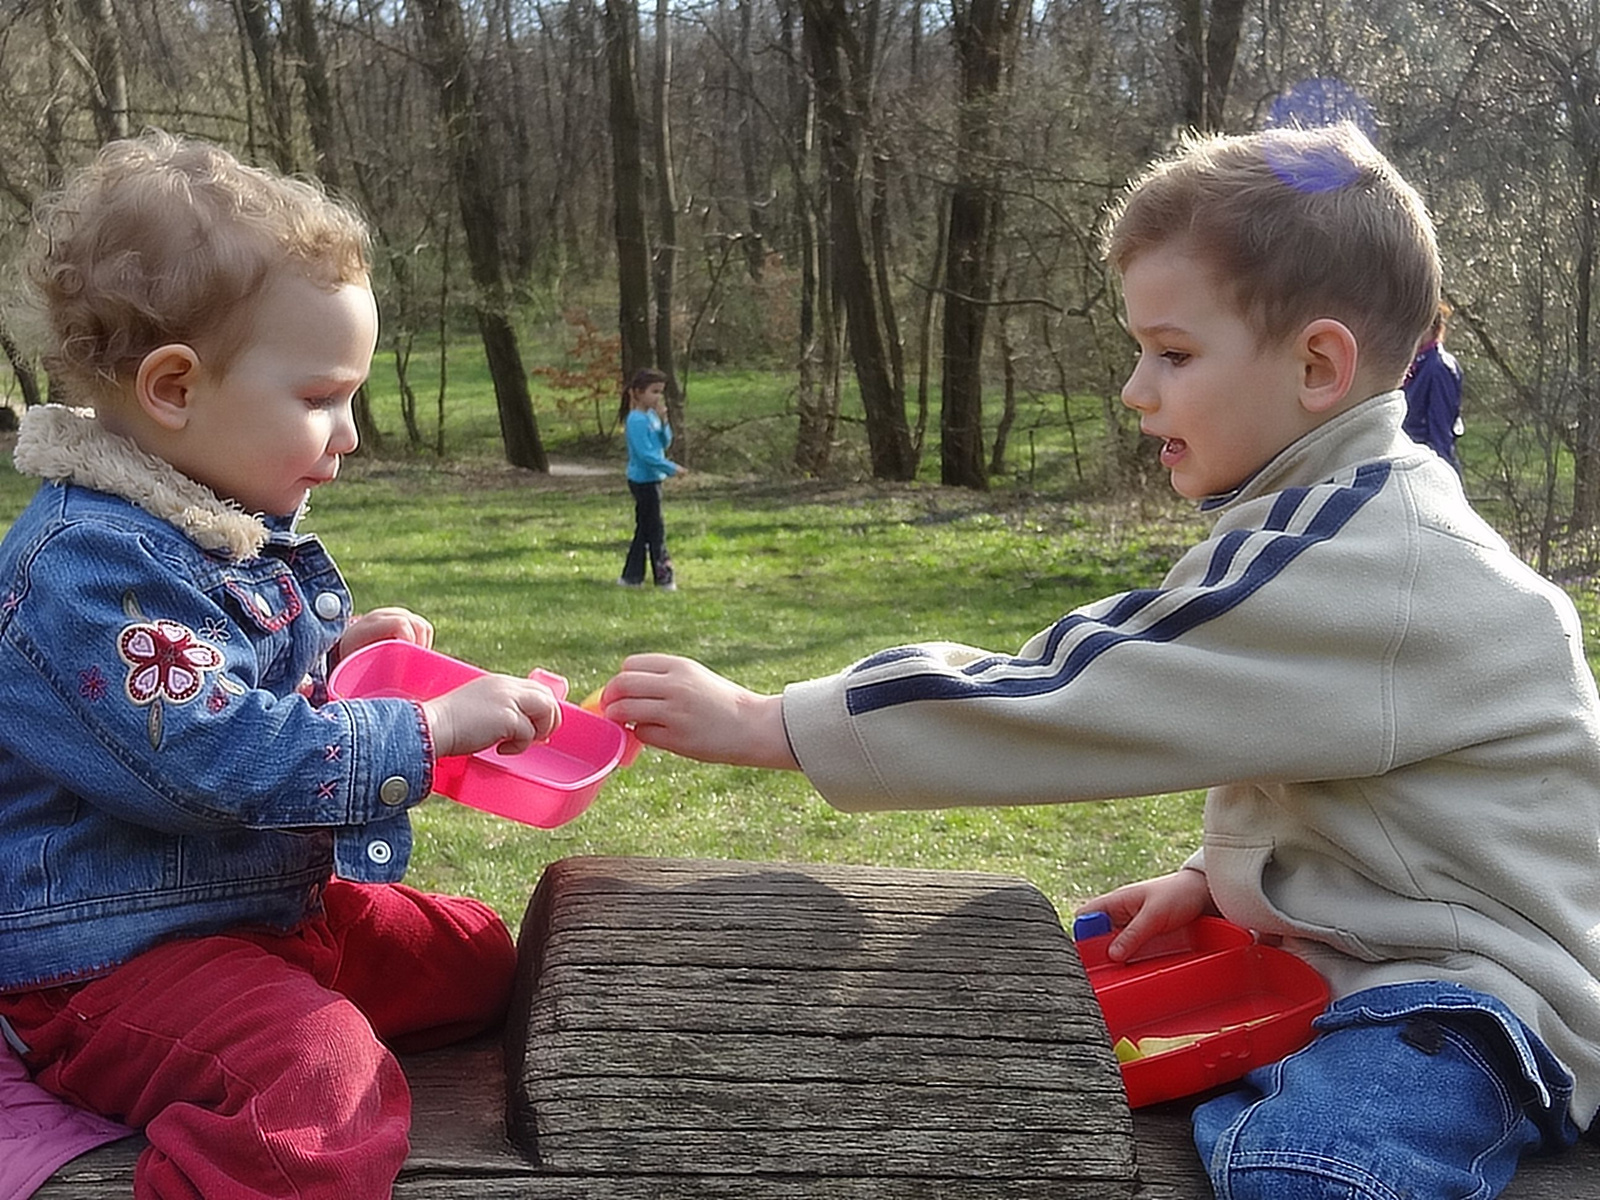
(1214, 1006)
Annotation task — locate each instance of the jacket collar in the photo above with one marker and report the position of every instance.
(1368, 431)
(59, 443)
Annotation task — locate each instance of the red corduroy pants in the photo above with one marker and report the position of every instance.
(259, 1064)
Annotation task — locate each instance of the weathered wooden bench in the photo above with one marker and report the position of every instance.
(718, 1029)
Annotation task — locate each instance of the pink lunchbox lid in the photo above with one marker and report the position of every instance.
(546, 785)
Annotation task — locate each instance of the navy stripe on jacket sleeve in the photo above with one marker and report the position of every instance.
(1136, 616)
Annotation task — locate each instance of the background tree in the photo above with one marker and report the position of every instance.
(984, 33)
(666, 251)
(480, 220)
(271, 127)
(839, 63)
(1207, 45)
(627, 173)
(819, 179)
(1561, 55)
(104, 74)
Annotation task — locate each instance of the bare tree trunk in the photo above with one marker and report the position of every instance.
(444, 340)
(569, 41)
(1570, 70)
(830, 372)
(20, 367)
(966, 307)
(817, 392)
(1586, 453)
(817, 395)
(1222, 48)
(755, 247)
(108, 90)
(524, 238)
(627, 173)
(1008, 409)
(253, 20)
(826, 34)
(925, 339)
(452, 71)
(1191, 52)
(1206, 51)
(916, 44)
(318, 93)
(58, 104)
(879, 225)
(402, 340)
(985, 35)
(666, 256)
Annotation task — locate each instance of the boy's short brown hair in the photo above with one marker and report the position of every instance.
(1298, 224)
(164, 239)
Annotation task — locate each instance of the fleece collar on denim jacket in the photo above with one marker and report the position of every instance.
(60, 443)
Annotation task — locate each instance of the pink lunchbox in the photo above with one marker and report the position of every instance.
(546, 785)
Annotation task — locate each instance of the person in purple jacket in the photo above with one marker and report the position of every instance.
(1433, 394)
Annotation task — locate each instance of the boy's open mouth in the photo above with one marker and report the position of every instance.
(1172, 449)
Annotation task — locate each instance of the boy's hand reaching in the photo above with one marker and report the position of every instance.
(495, 710)
(1139, 911)
(385, 624)
(682, 706)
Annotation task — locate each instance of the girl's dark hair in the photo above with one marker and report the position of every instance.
(642, 378)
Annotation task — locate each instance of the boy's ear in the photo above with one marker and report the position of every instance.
(1330, 356)
(163, 383)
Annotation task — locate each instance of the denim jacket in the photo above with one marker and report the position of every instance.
(164, 768)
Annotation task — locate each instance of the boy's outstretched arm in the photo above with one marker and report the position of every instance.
(679, 705)
(1139, 911)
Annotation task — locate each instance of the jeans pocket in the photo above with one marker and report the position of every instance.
(1373, 1110)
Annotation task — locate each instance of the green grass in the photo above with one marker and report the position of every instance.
(741, 422)
(782, 580)
(779, 582)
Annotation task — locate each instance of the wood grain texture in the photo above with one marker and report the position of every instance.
(690, 1030)
(857, 1026)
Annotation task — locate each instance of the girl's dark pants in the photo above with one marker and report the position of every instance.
(649, 536)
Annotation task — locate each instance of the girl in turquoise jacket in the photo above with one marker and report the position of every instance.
(649, 434)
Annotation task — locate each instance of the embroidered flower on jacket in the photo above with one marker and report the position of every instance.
(165, 659)
(92, 685)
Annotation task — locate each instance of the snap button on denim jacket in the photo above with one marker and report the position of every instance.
(162, 772)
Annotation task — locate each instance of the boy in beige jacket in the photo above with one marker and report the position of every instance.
(1393, 713)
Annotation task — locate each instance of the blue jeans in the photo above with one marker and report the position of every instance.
(1413, 1091)
(649, 536)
